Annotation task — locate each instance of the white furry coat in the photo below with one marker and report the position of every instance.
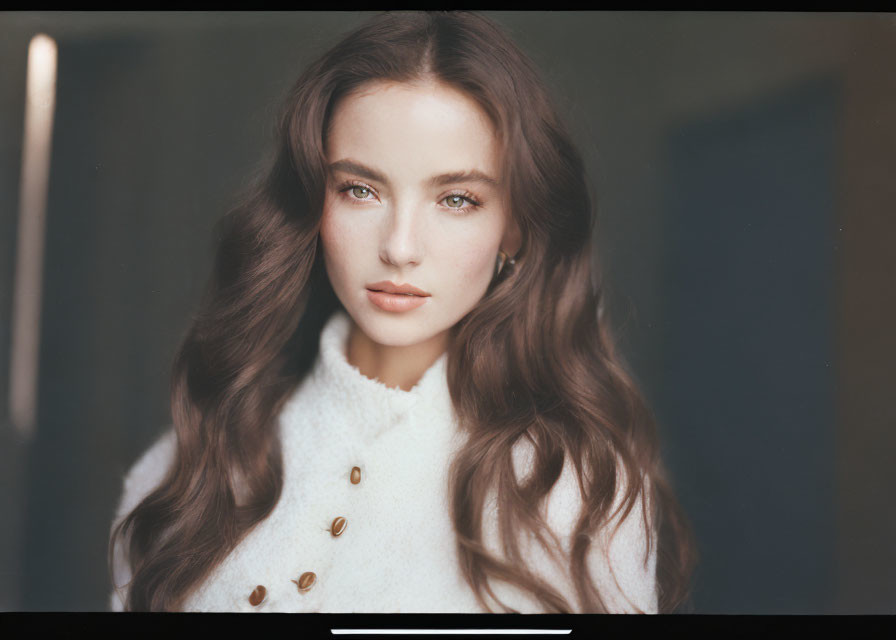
(397, 552)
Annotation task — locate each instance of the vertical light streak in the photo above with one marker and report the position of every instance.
(39, 106)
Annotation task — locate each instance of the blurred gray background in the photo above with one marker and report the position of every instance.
(744, 168)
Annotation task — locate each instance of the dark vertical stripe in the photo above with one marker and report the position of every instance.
(748, 354)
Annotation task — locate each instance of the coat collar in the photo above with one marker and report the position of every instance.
(368, 406)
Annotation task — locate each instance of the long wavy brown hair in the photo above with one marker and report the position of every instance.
(533, 361)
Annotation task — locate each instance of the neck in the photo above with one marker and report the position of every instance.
(397, 367)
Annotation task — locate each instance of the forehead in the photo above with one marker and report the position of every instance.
(428, 124)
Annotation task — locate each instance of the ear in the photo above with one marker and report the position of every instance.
(512, 239)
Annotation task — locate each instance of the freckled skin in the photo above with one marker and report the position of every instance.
(403, 229)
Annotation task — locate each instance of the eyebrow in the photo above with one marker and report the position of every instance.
(350, 166)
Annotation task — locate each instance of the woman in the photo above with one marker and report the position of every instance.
(399, 393)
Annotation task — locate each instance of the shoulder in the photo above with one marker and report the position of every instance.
(143, 476)
(147, 472)
(622, 557)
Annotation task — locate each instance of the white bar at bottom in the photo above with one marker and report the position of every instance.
(442, 632)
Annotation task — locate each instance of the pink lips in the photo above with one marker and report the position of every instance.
(389, 296)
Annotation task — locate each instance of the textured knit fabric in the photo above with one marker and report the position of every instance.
(398, 551)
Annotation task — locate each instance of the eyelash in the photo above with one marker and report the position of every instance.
(473, 202)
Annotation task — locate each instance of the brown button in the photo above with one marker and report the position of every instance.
(338, 526)
(306, 581)
(258, 595)
(356, 475)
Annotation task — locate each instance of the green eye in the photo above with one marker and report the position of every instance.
(360, 192)
(455, 202)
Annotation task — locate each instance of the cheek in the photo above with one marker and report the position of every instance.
(476, 262)
(338, 246)
(472, 261)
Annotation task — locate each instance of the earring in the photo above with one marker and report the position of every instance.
(502, 260)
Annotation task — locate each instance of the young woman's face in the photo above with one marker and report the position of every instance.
(413, 199)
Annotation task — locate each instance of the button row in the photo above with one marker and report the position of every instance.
(306, 580)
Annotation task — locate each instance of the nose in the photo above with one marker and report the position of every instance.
(401, 243)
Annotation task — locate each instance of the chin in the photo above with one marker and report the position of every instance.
(394, 339)
(400, 330)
